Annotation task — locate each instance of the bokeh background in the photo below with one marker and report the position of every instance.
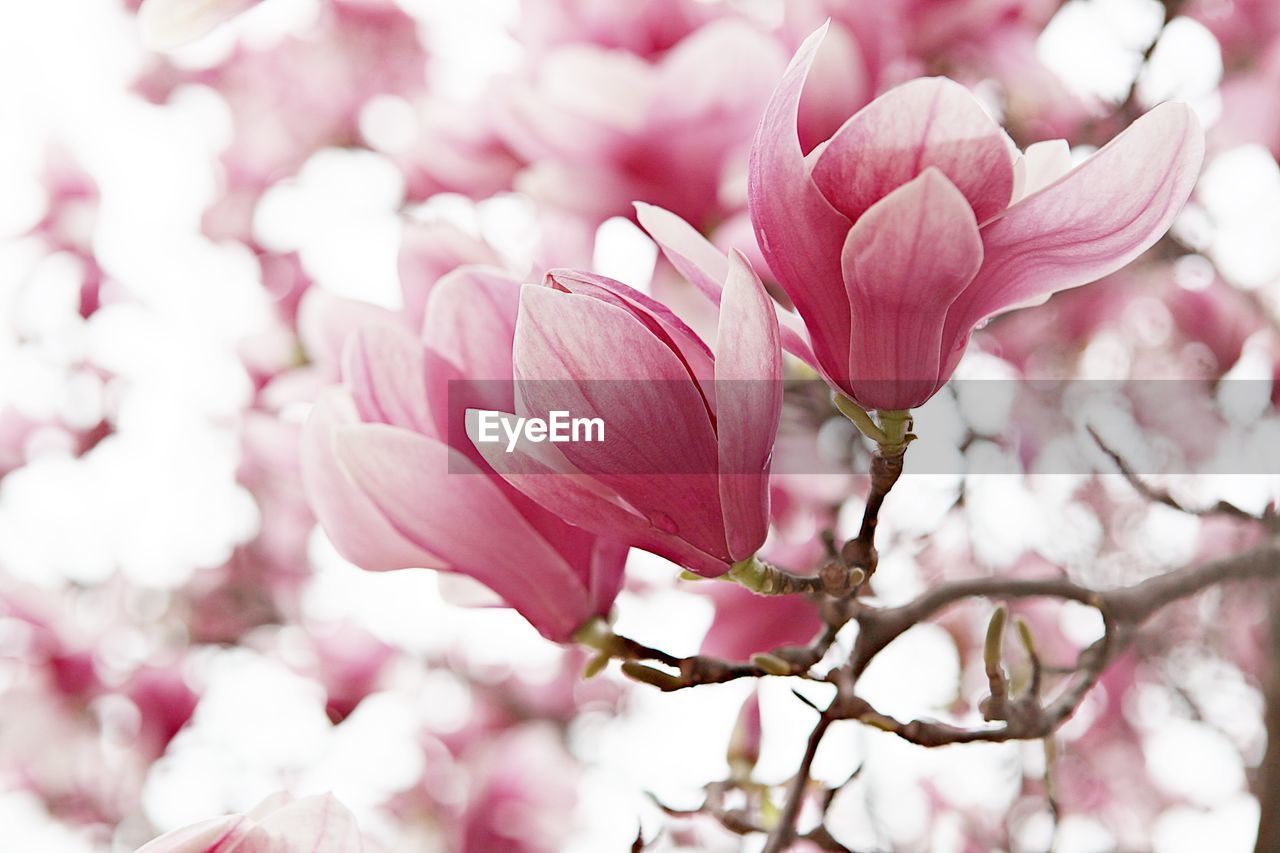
(178, 231)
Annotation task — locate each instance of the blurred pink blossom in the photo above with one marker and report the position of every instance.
(291, 98)
(746, 623)
(523, 789)
(428, 250)
(644, 29)
(602, 128)
(318, 824)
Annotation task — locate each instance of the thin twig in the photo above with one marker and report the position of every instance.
(784, 832)
(705, 669)
(1161, 496)
(1268, 791)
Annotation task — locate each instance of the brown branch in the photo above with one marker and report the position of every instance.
(1268, 791)
(846, 570)
(879, 627)
(1161, 496)
(1024, 718)
(626, 648)
(704, 669)
(1132, 605)
(860, 553)
(784, 832)
(822, 838)
(737, 821)
(1123, 611)
(1135, 604)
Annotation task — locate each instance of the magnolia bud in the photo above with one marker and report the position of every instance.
(744, 743)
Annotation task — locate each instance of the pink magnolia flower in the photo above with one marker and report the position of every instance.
(1246, 98)
(746, 623)
(1219, 317)
(165, 703)
(952, 26)
(600, 128)
(917, 220)
(454, 148)
(395, 484)
(1244, 28)
(279, 824)
(683, 467)
(350, 662)
(645, 29)
(523, 785)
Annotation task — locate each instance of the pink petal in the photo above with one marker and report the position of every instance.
(705, 266)
(749, 379)
(694, 83)
(1091, 222)
(469, 329)
(428, 251)
(800, 234)
(926, 122)
(199, 837)
(557, 117)
(597, 563)
(594, 359)
(660, 319)
(470, 326)
(435, 497)
(836, 87)
(578, 188)
(542, 473)
(325, 322)
(907, 258)
(471, 320)
(608, 561)
(689, 252)
(269, 804)
(746, 623)
(353, 523)
(384, 368)
(313, 825)
(449, 394)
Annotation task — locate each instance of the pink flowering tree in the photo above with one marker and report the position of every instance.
(571, 425)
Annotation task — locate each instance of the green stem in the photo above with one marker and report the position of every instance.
(764, 579)
(890, 429)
